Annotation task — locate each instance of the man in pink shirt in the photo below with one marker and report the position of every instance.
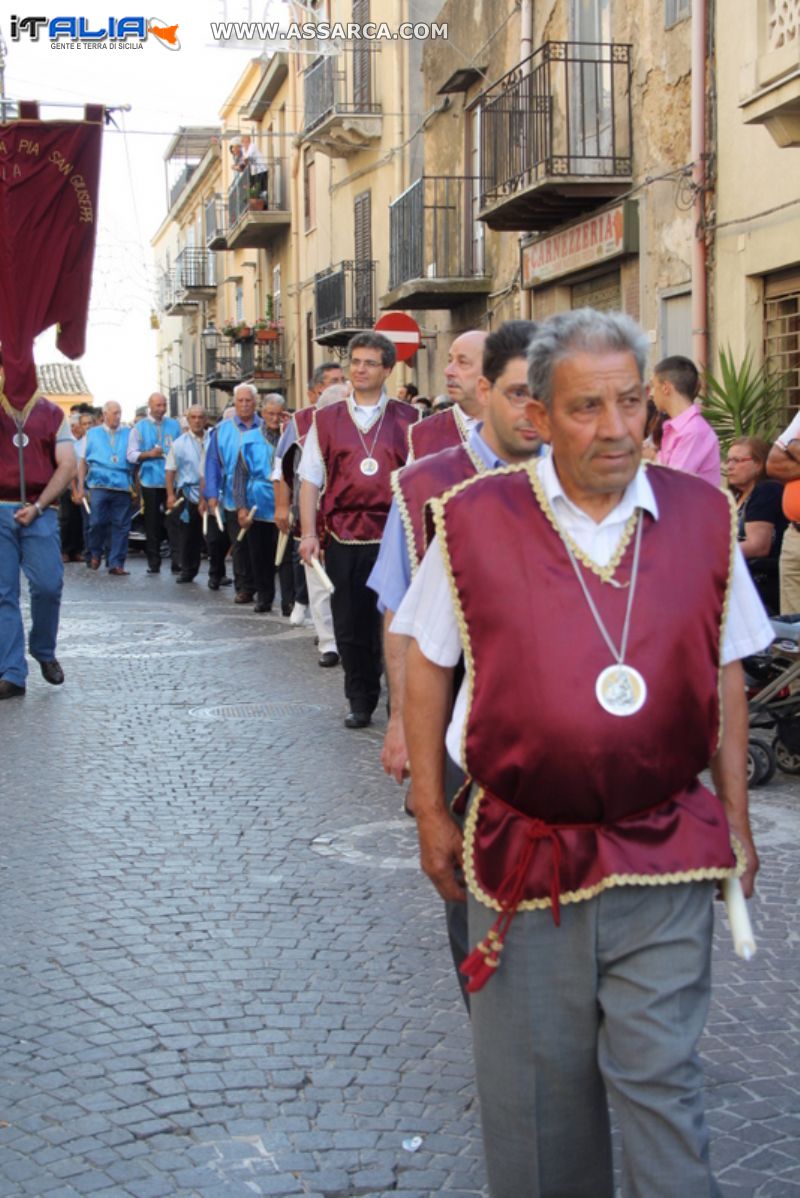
(688, 442)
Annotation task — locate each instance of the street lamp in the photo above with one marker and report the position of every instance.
(210, 336)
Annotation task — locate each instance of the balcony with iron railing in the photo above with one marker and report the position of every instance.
(195, 273)
(436, 255)
(257, 214)
(555, 138)
(228, 364)
(341, 114)
(344, 301)
(770, 78)
(216, 223)
(267, 361)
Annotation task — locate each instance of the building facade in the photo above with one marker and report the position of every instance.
(539, 157)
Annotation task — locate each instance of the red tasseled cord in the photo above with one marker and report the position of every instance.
(481, 963)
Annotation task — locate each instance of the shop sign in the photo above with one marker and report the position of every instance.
(600, 238)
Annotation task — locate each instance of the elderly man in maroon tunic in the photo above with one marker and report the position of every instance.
(609, 678)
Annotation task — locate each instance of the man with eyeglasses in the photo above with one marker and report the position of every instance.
(505, 436)
(456, 422)
(349, 455)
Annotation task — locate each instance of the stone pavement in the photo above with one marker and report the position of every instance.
(221, 974)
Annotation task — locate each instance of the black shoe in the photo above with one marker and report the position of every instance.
(153, 569)
(175, 569)
(357, 719)
(242, 597)
(260, 607)
(186, 578)
(52, 672)
(326, 660)
(213, 584)
(286, 611)
(226, 582)
(10, 690)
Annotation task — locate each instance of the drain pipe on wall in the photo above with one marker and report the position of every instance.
(699, 266)
(526, 49)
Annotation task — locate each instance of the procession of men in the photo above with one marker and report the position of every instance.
(554, 687)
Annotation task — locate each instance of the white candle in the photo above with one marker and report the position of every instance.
(243, 531)
(205, 524)
(744, 942)
(86, 505)
(317, 567)
(218, 514)
(283, 541)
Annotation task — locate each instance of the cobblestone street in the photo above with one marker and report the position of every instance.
(222, 974)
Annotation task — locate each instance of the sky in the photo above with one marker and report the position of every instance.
(165, 89)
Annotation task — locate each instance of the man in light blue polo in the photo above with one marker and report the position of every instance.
(253, 488)
(105, 473)
(184, 470)
(148, 446)
(222, 454)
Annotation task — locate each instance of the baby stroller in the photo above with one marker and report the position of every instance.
(773, 693)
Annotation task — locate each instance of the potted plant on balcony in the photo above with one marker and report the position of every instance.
(266, 330)
(237, 330)
(255, 203)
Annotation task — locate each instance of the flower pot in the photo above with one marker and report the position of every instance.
(256, 205)
(267, 334)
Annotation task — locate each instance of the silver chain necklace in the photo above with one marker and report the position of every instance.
(368, 465)
(620, 689)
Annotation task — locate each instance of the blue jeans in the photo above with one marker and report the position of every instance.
(37, 550)
(111, 512)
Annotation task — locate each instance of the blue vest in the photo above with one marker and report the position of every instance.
(257, 455)
(188, 453)
(229, 442)
(152, 470)
(108, 467)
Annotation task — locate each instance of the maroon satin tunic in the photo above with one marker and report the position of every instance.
(355, 505)
(419, 482)
(39, 455)
(434, 433)
(573, 798)
(303, 419)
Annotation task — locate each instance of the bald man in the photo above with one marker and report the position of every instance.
(454, 425)
(106, 473)
(148, 445)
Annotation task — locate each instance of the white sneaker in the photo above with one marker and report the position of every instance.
(298, 614)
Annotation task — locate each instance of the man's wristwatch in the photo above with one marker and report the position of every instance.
(38, 506)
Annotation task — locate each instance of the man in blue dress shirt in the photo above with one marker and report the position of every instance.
(222, 454)
(148, 445)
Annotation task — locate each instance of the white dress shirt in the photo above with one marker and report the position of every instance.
(312, 469)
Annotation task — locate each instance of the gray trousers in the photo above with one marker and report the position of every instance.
(611, 1003)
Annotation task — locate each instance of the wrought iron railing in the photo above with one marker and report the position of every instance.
(166, 289)
(216, 225)
(229, 363)
(564, 111)
(193, 269)
(339, 85)
(431, 231)
(246, 187)
(344, 296)
(181, 181)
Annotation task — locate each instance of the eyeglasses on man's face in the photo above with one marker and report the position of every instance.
(737, 461)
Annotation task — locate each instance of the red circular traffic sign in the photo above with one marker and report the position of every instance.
(403, 331)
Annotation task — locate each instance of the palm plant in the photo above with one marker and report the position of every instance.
(744, 400)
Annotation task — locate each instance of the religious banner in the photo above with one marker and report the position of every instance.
(49, 177)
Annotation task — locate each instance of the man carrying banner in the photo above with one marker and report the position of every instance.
(37, 463)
